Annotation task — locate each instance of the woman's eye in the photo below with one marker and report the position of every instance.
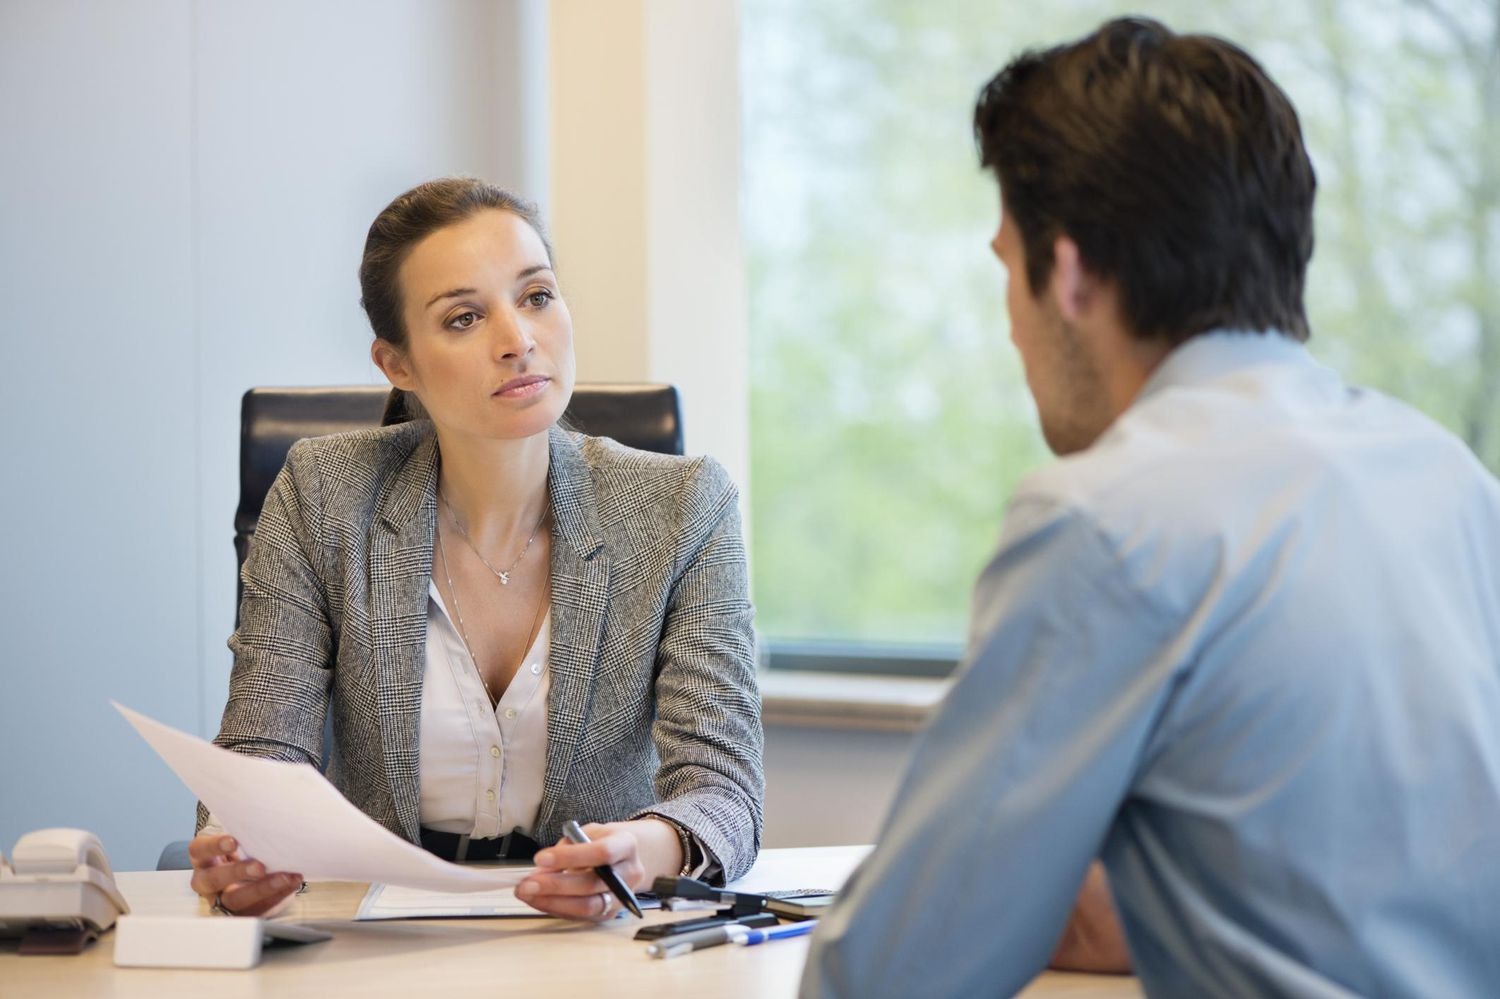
(539, 298)
(463, 320)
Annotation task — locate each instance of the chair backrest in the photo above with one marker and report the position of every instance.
(642, 416)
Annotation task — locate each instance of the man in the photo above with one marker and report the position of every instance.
(1242, 643)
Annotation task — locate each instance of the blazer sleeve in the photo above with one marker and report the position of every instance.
(708, 729)
(283, 647)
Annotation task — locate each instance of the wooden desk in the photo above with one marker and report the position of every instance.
(479, 957)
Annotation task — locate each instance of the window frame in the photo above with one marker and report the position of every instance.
(934, 661)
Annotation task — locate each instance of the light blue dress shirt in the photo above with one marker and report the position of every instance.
(1246, 650)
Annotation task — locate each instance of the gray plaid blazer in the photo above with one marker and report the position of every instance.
(654, 706)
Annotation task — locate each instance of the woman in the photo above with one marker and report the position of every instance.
(515, 625)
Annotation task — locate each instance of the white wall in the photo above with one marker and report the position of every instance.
(184, 191)
(102, 496)
(643, 118)
(830, 786)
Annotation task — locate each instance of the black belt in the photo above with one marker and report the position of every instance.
(453, 846)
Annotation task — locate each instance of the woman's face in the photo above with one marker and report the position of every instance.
(489, 340)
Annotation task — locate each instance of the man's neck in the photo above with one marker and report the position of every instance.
(1126, 364)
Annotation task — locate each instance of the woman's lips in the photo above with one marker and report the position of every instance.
(520, 388)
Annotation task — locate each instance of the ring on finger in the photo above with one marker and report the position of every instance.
(217, 905)
(604, 898)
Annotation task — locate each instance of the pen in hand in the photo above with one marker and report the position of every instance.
(575, 834)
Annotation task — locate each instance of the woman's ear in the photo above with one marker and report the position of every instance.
(393, 363)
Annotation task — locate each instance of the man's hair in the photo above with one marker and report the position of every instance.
(1172, 161)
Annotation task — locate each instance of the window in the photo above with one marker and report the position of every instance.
(889, 418)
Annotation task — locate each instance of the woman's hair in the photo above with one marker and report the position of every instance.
(404, 223)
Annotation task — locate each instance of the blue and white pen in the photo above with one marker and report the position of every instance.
(715, 936)
(749, 938)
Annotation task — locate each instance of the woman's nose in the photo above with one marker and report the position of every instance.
(511, 338)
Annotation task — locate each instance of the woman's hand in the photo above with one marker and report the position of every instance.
(239, 884)
(565, 883)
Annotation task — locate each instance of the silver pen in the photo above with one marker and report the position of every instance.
(686, 943)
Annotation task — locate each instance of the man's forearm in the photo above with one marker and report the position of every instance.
(1093, 940)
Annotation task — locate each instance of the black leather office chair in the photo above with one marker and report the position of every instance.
(642, 416)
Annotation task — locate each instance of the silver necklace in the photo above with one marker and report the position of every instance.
(463, 631)
(504, 577)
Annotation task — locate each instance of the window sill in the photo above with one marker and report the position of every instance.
(848, 700)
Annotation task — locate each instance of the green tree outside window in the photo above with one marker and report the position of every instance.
(889, 418)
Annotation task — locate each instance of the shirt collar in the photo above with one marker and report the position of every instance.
(1209, 355)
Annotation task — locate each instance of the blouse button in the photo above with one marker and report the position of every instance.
(536, 668)
(490, 794)
(494, 750)
(510, 712)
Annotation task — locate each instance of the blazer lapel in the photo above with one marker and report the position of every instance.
(580, 601)
(400, 569)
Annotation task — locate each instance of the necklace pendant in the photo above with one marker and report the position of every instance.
(504, 578)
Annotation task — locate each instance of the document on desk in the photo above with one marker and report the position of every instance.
(290, 818)
(395, 902)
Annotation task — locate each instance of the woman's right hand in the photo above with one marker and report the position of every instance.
(238, 883)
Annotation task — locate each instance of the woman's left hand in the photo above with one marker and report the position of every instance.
(565, 884)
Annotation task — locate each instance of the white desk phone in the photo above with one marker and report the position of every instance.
(57, 892)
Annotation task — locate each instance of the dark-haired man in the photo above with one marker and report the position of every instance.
(1242, 643)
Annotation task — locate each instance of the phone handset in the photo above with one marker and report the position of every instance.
(58, 891)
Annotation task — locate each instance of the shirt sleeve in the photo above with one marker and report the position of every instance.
(1011, 789)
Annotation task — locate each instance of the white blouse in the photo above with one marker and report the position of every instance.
(481, 766)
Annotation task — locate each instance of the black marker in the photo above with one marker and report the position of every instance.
(606, 873)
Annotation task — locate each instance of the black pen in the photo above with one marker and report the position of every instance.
(607, 874)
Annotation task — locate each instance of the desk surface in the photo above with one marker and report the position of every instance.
(541, 957)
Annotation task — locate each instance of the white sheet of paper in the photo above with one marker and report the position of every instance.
(825, 868)
(396, 902)
(290, 818)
